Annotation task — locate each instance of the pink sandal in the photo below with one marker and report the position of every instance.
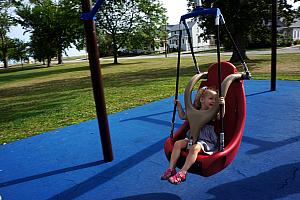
(177, 178)
(168, 173)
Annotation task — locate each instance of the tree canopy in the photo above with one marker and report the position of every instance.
(130, 24)
(54, 26)
(6, 21)
(247, 20)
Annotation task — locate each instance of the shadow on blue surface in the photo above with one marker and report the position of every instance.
(267, 145)
(276, 183)
(46, 174)
(110, 173)
(258, 93)
(152, 196)
(147, 118)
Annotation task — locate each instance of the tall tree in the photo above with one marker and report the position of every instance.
(54, 26)
(69, 27)
(244, 19)
(131, 23)
(20, 52)
(6, 21)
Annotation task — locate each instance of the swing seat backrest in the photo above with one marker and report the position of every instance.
(234, 119)
(233, 95)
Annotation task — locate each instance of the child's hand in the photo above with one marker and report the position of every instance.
(177, 101)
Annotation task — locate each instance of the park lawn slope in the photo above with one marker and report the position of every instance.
(36, 99)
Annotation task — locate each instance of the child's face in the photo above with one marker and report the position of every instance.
(208, 100)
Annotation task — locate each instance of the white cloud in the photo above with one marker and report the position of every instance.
(175, 8)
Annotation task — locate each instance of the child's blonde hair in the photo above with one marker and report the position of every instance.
(201, 93)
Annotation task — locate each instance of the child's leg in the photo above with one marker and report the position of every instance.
(191, 158)
(180, 144)
(171, 171)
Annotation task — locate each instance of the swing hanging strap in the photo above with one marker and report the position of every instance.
(177, 83)
(247, 74)
(178, 68)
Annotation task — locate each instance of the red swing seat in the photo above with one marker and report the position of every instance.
(234, 120)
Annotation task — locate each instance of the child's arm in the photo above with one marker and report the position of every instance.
(181, 112)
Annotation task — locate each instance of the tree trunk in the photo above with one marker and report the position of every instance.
(241, 43)
(22, 63)
(236, 58)
(5, 58)
(115, 58)
(48, 62)
(115, 50)
(59, 57)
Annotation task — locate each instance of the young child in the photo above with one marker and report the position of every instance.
(207, 141)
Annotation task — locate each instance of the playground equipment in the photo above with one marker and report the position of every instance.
(91, 41)
(230, 84)
(97, 81)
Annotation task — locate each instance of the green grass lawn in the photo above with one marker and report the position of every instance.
(36, 99)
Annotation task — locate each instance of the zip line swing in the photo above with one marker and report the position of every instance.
(231, 86)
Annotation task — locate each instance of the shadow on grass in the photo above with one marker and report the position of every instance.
(37, 106)
(251, 64)
(43, 71)
(137, 79)
(19, 68)
(106, 65)
(55, 96)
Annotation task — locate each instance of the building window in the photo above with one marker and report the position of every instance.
(199, 39)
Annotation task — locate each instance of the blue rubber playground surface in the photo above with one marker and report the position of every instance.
(67, 163)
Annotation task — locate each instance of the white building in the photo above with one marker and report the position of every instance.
(295, 29)
(195, 31)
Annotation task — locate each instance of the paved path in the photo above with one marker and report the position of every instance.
(293, 49)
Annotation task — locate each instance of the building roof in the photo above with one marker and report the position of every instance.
(296, 24)
(176, 26)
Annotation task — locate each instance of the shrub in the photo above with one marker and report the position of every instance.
(296, 42)
(284, 40)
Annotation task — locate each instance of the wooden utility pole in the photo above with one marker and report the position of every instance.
(97, 81)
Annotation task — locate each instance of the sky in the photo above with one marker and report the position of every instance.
(174, 11)
(175, 8)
